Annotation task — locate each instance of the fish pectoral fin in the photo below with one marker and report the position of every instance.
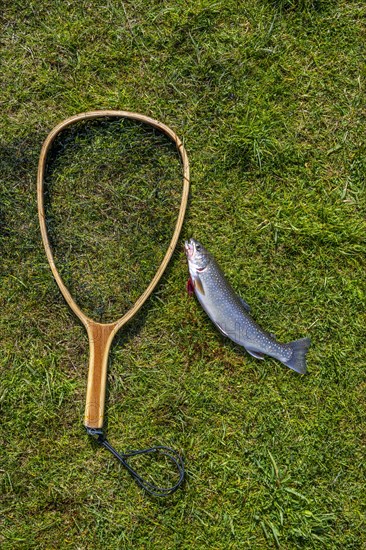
(198, 285)
(245, 304)
(190, 287)
(256, 354)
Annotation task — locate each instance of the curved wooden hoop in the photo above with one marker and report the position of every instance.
(101, 334)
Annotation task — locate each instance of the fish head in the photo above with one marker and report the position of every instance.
(198, 257)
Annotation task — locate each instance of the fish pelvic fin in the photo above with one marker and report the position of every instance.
(222, 330)
(297, 361)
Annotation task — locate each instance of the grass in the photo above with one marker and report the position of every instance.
(268, 97)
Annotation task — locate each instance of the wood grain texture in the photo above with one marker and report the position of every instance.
(101, 334)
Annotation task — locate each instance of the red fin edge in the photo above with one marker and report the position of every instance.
(190, 287)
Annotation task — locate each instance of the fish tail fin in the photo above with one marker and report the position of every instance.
(297, 361)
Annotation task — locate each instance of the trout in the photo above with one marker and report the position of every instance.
(230, 313)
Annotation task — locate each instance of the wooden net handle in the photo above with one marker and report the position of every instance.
(101, 334)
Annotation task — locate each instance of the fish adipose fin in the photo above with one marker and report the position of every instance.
(245, 304)
(256, 354)
(297, 361)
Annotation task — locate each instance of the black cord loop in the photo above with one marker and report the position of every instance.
(150, 488)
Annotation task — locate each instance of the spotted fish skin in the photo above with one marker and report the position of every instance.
(231, 315)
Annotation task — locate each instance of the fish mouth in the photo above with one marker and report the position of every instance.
(189, 249)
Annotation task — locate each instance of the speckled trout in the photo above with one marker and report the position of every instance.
(230, 313)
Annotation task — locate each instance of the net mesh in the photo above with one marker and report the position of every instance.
(112, 196)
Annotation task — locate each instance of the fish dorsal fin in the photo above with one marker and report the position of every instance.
(245, 304)
(256, 354)
(198, 285)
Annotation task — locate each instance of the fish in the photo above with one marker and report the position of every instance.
(231, 313)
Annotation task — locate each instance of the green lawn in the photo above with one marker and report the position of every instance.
(269, 99)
